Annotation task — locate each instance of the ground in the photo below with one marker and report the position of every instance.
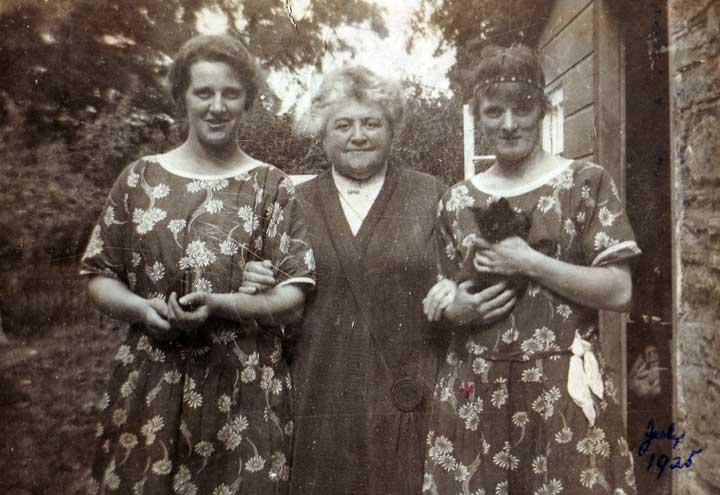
(47, 413)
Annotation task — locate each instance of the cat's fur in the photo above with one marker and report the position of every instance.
(495, 222)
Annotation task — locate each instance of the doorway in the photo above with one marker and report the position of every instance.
(649, 332)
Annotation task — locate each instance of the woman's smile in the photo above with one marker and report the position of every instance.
(361, 150)
(357, 139)
(217, 125)
(215, 103)
(510, 122)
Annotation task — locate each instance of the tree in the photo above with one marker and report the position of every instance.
(71, 54)
(432, 138)
(469, 25)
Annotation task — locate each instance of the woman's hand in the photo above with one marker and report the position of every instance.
(599, 287)
(507, 257)
(439, 298)
(115, 299)
(488, 306)
(190, 312)
(258, 276)
(155, 318)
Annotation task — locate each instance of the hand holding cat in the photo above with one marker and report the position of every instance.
(511, 256)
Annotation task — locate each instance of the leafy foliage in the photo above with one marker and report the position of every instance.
(75, 53)
(469, 25)
(432, 139)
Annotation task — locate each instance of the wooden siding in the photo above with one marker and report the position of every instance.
(569, 46)
(580, 134)
(562, 12)
(578, 86)
(610, 91)
(568, 61)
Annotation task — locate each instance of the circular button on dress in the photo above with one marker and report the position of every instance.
(406, 394)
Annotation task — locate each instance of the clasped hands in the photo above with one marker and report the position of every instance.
(507, 257)
(178, 316)
(181, 315)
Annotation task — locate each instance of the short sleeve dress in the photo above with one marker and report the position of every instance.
(207, 414)
(504, 420)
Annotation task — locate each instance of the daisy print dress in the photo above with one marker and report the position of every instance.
(528, 404)
(207, 414)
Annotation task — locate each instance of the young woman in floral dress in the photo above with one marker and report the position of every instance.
(527, 405)
(198, 399)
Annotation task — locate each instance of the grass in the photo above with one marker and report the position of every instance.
(47, 413)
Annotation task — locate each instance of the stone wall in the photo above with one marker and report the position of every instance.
(694, 27)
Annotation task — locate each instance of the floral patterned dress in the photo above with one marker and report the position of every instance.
(207, 414)
(503, 419)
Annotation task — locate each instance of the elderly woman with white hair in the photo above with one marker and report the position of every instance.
(365, 360)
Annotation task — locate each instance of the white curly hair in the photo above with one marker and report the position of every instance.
(352, 83)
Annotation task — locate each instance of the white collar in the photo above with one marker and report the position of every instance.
(480, 182)
(357, 197)
(164, 163)
(351, 187)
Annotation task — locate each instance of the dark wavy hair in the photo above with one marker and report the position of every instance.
(517, 61)
(214, 48)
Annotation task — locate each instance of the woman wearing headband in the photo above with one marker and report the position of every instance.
(528, 405)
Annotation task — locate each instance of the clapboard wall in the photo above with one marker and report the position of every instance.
(566, 45)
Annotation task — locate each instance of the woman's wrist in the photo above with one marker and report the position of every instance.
(532, 263)
(227, 306)
(139, 308)
(149, 309)
(212, 305)
(449, 313)
(136, 309)
(459, 315)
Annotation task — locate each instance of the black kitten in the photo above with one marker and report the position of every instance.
(496, 222)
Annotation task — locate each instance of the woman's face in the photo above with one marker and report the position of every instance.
(510, 121)
(357, 139)
(215, 103)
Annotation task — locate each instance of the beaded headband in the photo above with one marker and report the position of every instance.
(507, 79)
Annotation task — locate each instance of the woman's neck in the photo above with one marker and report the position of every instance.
(521, 169)
(196, 158)
(376, 181)
(536, 164)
